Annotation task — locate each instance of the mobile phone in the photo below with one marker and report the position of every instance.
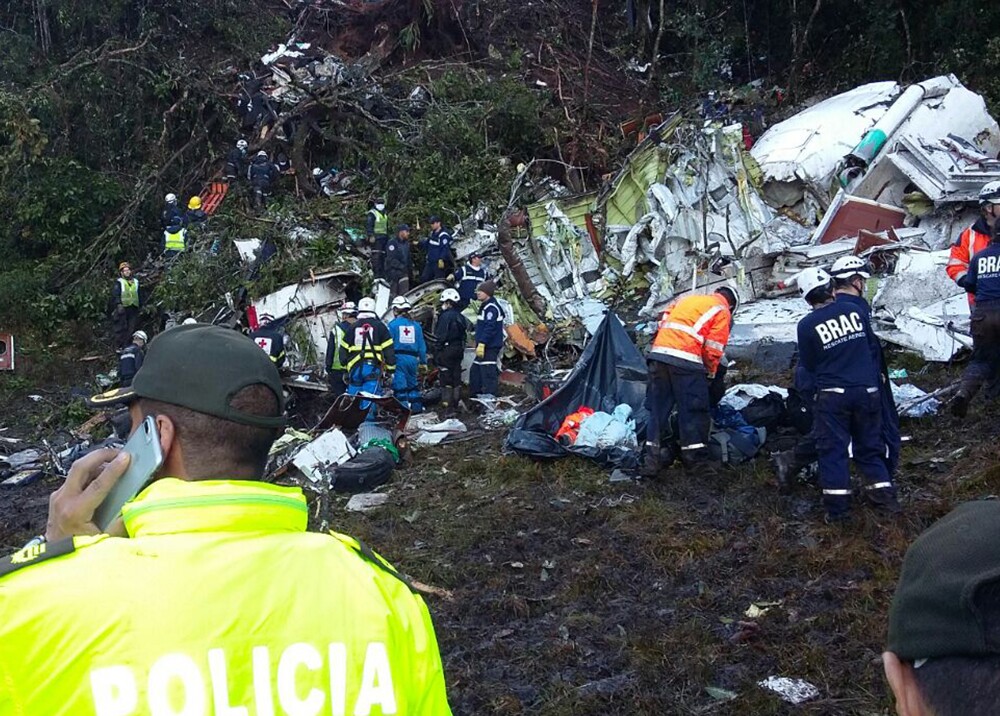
(146, 458)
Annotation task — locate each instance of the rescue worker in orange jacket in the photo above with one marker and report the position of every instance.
(684, 357)
(975, 238)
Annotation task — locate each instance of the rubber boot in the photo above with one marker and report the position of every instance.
(651, 462)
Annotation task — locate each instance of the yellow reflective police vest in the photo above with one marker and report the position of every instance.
(219, 603)
(129, 292)
(174, 241)
(381, 222)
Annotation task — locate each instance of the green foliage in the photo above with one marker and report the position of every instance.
(195, 282)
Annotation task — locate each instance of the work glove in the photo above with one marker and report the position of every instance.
(451, 277)
(480, 350)
(440, 263)
(422, 369)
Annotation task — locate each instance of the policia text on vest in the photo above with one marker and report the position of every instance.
(300, 680)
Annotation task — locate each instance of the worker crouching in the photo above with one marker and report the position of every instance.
(684, 357)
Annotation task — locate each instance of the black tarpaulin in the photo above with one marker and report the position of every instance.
(611, 371)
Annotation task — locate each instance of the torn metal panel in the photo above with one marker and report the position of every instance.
(769, 320)
(799, 158)
(247, 249)
(566, 256)
(927, 335)
(624, 201)
(853, 214)
(308, 295)
(575, 208)
(317, 459)
(919, 279)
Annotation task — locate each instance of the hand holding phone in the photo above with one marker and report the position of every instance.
(145, 458)
(90, 479)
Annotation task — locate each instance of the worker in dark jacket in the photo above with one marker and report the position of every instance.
(449, 350)
(367, 353)
(485, 376)
(130, 360)
(440, 263)
(377, 231)
(835, 359)
(124, 304)
(468, 278)
(271, 340)
(174, 238)
(983, 282)
(262, 173)
(196, 217)
(236, 161)
(398, 261)
(172, 214)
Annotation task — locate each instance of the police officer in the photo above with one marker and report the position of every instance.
(377, 230)
(835, 358)
(398, 261)
(438, 247)
(484, 378)
(336, 375)
(130, 360)
(983, 282)
(270, 339)
(236, 161)
(366, 352)
(449, 350)
(849, 276)
(204, 598)
(124, 304)
(411, 355)
(468, 278)
(684, 358)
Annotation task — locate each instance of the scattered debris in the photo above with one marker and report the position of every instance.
(366, 501)
(317, 459)
(794, 691)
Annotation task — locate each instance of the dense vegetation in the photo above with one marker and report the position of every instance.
(106, 105)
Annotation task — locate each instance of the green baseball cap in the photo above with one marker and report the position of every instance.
(201, 367)
(946, 603)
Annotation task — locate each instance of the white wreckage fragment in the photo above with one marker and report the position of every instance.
(317, 459)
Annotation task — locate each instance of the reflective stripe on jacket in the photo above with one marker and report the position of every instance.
(129, 292)
(380, 225)
(174, 241)
(210, 607)
(969, 243)
(370, 341)
(693, 330)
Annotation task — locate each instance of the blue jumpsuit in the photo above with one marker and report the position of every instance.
(365, 350)
(411, 352)
(484, 379)
(467, 280)
(890, 416)
(834, 351)
(438, 247)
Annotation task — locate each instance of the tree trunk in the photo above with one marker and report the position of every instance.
(42, 33)
(799, 43)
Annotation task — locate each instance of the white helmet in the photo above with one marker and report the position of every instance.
(141, 335)
(847, 266)
(810, 279)
(734, 302)
(170, 198)
(242, 145)
(189, 321)
(317, 171)
(450, 294)
(399, 303)
(366, 305)
(262, 153)
(990, 193)
(349, 309)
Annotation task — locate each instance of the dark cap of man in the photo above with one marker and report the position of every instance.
(943, 656)
(220, 394)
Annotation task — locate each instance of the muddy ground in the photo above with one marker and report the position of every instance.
(574, 595)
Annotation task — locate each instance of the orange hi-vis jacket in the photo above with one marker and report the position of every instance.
(693, 331)
(969, 243)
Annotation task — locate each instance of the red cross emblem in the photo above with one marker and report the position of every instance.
(406, 330)
(263, 343)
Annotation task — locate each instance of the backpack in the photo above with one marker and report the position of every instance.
(732, 446)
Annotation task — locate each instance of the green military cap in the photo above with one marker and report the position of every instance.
(947, 602)
(201, 367)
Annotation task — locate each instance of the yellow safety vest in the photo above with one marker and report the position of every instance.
(381, 221)
(129, 291)
(175, 241)
(219, 603)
